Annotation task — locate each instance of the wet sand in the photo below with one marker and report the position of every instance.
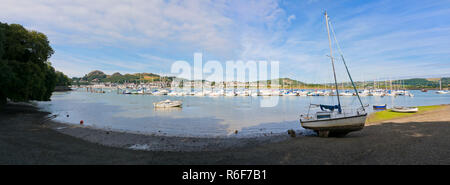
(25, 139)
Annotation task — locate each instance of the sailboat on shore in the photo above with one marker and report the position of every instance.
(331, 120)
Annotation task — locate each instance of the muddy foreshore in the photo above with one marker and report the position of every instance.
(27, 138)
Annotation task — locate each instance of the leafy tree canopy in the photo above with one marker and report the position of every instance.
(26, 73)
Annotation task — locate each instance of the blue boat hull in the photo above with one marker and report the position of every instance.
(380, 106)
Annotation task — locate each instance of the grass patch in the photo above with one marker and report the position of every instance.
(388, 114)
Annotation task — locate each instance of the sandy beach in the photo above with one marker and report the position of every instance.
(26, 138)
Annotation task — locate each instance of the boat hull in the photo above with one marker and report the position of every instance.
(405, 110)
(338, 126)
(380, 106)
(167, 104)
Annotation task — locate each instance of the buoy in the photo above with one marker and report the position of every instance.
(81, 122)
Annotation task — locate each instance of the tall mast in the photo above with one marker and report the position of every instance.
(346, 68)
(332, 63)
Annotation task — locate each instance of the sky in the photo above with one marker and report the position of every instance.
(380, 39)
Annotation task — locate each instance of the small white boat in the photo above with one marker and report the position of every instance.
(404, 109)
(167, 104)
(441, 92)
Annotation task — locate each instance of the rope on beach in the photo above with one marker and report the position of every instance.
(49, 118)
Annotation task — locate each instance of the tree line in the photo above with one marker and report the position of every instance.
(26, 74)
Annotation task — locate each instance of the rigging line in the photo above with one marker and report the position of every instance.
(343, 60)
(332, 62)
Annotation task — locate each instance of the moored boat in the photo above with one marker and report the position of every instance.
(167, 104)
(404, 109)
(440, 88)
(384, 106)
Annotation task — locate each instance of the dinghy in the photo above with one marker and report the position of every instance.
(331, 120)
(404, 109)
(380, 106)
(167, 104)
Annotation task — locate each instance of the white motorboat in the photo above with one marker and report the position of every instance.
(405, 109)
(167, 104)
(329, 122)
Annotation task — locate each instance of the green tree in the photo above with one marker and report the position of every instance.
(62, 79)
(26, 73)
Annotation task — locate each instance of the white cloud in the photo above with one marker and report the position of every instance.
(291, 18)
(112, 22)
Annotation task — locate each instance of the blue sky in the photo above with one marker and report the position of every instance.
(380, 39)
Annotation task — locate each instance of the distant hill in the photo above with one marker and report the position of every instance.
(412, 83)
(99, 76)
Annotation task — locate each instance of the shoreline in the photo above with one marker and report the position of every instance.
(408, 140)
(152, 142)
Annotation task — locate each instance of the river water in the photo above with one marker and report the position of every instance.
(205, 116)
